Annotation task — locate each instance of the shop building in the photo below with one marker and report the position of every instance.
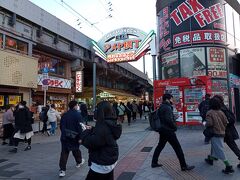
(198, 39)
(62, 52)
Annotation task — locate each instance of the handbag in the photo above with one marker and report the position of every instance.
(208, 132)
(70, 134)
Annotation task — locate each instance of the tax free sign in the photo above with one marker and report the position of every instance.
(123, 45)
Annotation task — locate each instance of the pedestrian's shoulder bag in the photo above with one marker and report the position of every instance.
(70, 134)
(208, 132)
(154, 121)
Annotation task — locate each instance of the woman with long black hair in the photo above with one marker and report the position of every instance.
(101, 142)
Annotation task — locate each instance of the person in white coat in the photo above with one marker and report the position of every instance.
(53, 116)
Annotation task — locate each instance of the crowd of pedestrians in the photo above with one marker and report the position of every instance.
(101, 139)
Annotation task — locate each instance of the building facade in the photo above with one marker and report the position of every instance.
(200, 38)
(35, 42)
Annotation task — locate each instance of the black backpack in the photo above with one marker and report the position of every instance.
(154, 121)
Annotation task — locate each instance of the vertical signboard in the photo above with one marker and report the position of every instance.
(170, 65)
(164, 29)
(79, 78)
(193, 62)
(216, 62)
(1, 101)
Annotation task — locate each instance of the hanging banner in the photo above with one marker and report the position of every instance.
(79, 82)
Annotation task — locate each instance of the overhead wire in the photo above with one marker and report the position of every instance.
(85, 19)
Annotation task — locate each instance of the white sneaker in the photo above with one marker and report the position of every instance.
(80, 164)
(62, 173)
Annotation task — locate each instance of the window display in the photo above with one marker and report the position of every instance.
(193, 62)
(170, 65)
(16, 44)
(52, 65)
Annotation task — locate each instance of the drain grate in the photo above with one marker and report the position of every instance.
(146, 149)
(126, 176)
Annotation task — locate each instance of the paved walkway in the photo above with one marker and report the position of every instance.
(136, 145)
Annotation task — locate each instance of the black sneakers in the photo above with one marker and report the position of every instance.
(228, 170)
(14, 150)
(154, 165)
(27, 148)
(209, 161)
(187, 168)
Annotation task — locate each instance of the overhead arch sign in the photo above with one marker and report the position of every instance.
(123, 45)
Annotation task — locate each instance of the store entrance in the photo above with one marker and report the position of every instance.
(237, 103)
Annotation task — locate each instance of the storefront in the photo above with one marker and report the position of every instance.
(58, 93)
(188, 93)
(193, 42)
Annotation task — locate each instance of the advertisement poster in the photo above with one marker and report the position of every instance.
(220, 87)
(1, 100)
(170, 65)
(186, 22)
(193, 62)
(216, 62)
(14, 99)
(234, 81)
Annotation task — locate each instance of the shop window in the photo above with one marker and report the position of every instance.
(170, 65)
(51, 65)
(193, 62)
(17, 45)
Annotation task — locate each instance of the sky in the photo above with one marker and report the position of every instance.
(95, 18)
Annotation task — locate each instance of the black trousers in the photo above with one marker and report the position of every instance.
(16, 141)
(168, 136)
(134, 115)
(64, 157)
(97, 176)
(129, 118)
(44, 129)
(8, 131)
(233, 146)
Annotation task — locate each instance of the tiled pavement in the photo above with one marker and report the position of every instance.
(136, 148)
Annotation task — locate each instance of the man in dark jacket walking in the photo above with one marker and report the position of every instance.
(71, 130)
(203, 109)
(167, 133)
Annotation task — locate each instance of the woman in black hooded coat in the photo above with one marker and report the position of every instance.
(101, 141)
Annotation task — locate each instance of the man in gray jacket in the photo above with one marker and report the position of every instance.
(167, 134)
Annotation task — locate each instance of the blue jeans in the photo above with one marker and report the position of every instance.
(53, 128)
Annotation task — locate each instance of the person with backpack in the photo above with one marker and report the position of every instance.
(71, 129)
(167, 134)
(231, 133)
(203, 109)
(44, 118)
